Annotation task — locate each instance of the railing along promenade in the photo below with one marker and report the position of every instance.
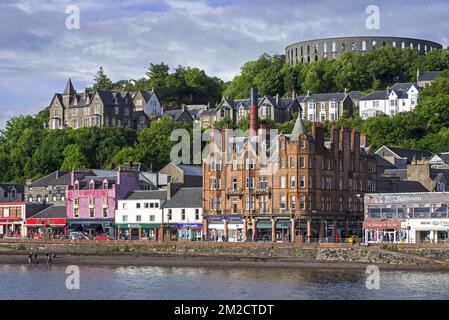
(267, 244)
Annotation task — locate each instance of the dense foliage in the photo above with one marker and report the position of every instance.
(28, 151)
(184, 86)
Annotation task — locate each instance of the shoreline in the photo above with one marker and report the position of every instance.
(167, 260)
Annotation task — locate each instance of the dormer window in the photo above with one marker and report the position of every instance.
(105, 185)
(91, 185)
(76, 185)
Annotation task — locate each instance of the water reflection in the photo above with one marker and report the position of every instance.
(41, 282)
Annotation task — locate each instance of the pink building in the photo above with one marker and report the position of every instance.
(92, 200)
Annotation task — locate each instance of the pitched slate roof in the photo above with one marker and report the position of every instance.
(401, 89)
(176, 114)
(376, 95)
(69, 90)
(53, 212)
(61, 178)
(398, 186)
(356, 95)
(191, 170)
(428, 75)
(185, 198)
(20, 188)
(411, 154)
(147, 195)
(33, 208)
(298, 129)
(321, 97)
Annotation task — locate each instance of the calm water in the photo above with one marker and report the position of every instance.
(40, 282)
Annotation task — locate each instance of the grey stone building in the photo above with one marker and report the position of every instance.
(102, 108)
(331, 48)
(10, 192)
(326, 106)
(274, 108)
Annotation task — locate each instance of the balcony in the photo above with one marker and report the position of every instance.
(234, 192)
(262, 191)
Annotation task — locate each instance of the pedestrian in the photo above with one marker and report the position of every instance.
(47, 258)
(30, 257)
(35, 257)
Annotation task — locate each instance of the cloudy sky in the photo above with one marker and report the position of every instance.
(38, 53)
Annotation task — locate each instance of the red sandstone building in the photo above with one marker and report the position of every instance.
(312, 190)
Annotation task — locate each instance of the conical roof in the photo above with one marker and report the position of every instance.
(298, 129)
(69, 90)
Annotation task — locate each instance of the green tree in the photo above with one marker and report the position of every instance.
(73, 158)
(101, 81)
(125, 155)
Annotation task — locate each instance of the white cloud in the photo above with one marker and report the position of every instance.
(125, 37)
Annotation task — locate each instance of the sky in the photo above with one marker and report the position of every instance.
(38, 53)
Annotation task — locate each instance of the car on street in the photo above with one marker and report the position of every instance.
(103, 237)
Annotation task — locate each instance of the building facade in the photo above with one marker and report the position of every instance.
(401, 97)
(139, 215)
(313, 188)
(184, 211)
(101, 108)
(406, 217)
(92, 200)
(12, 219)
(10, 192)
(331, 48)
(326, 106)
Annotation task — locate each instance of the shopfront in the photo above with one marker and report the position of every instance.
(92, 226)
(282, 229)
(49, 228)
(406, 217)
(378, 231)
(225, 228)
(190, 231)
(11, 222)
(138, 231)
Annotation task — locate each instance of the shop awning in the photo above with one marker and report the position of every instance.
(137, 225)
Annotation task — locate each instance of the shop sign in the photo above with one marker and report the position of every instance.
(379, 224)
(46, 221)
(189, 225)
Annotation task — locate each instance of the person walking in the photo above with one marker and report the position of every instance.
(30, 257)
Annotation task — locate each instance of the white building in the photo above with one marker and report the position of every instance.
(406, 217)
(401, 97)
(139, 216)
(183, 214)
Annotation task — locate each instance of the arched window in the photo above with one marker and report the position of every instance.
(325, 47)
(76, 185)
(419, 47)
(334, 47)
(403, 45)
(384, 44)
(394, 44)
(91, 185)
(411, 45)
(363, 45)
(308, 49)
(302, 51)
(316, 58)
(374, 45)
(425, 48)
(316, 48)
(343, 46)
(353, 46)
(105, 184)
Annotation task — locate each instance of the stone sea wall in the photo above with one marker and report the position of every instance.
(347, 253)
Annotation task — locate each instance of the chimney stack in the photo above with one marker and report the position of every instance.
(253, 112)
(277, 99)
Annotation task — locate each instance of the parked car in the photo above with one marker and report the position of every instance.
(353, 239)
(78, 236)
(103, 237)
